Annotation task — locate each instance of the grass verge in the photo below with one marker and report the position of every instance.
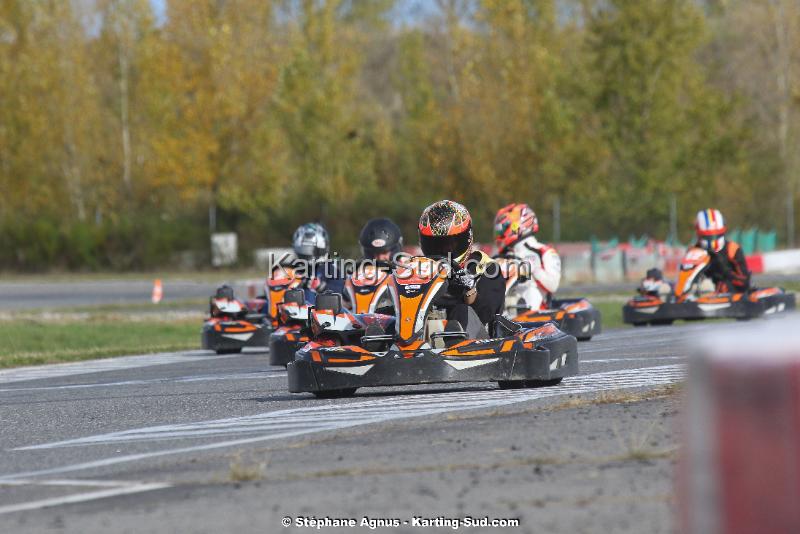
(611, 312)
(31, 342)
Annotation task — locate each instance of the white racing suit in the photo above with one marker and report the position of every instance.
(544, 277)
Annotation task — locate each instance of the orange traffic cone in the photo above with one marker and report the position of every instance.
(158, 291)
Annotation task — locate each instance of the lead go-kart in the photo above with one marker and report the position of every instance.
(694, 298)
(575, 316)
(420, 346)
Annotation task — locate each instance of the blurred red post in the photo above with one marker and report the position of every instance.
(740, 468)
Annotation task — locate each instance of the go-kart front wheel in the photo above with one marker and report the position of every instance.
(335, 393)
(519, 384)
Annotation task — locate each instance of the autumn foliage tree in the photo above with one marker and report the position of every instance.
(127, 135)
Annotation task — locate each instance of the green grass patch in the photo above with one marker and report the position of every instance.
(32, 342)
(611, 312)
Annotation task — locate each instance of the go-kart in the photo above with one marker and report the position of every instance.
(694, 298)
(420, 346)
(281, 280)
(575, 316)
(232, 327)
(367, 288)
(291, 332)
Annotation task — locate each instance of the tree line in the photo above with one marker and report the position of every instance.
(128, 133)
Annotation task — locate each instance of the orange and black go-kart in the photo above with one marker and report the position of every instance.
(420, 346)
(232, 326)
(694, 297)
(281, 280)
(575, 316)
(291, 332)
(367, 288)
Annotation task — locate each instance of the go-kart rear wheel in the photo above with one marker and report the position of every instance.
(639, 324)
(335, 393)
(519, 384)
(229, 351)
(663, 322)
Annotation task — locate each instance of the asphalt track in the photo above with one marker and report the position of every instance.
(160, 443)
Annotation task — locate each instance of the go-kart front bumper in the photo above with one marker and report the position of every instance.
(555, 359)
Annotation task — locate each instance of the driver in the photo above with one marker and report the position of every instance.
(515, 228)
(381, 240)
(225, 292)
(475, 283)
(311, 245)
(381, 243)
(728, 268)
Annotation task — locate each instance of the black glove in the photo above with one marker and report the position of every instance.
(460, 282)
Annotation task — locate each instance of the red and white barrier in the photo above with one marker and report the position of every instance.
(739, 471)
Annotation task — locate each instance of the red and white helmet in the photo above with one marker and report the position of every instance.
(710, 227)
(512, 223)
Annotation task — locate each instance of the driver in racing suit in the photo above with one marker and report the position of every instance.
(311, 245)
(728, 267)
(515, 227)
(475, 284)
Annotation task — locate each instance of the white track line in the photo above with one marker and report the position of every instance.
(317, 418)
(259, 375)
(126, 489)
(109, 364)
(617, 360)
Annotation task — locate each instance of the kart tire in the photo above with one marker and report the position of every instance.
(519, 384)
(229, 351)
(584, 338)
(639, 324)
(335, 393)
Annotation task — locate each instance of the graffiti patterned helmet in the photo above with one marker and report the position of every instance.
(513, 223)
(445, 228)
(310, 241)
(380, 236)
(710, 227)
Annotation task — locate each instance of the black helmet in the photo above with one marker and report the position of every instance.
(380, 236)
(654, 273)
(224, 292)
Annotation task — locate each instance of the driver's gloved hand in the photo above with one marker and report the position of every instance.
(461, 282)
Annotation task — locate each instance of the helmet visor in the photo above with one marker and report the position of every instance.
(500, 228)
(712, 242)
(443, 245)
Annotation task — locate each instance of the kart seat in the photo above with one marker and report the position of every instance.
(329, 301)
(294, 296)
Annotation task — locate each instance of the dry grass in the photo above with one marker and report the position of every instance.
(241, 471)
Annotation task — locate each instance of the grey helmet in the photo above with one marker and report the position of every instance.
(310, 241)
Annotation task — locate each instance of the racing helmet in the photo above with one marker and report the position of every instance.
(512, 223)
(380, 236)
(710, 227)
(445, 228)
(224, 292)
(310, 241)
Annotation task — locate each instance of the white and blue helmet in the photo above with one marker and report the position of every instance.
(310, 241)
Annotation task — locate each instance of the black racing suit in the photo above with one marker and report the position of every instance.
(491, 288)
(728, 269)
